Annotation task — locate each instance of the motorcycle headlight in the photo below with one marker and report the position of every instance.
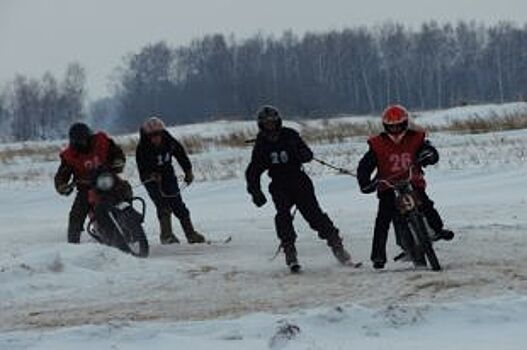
(105, 182)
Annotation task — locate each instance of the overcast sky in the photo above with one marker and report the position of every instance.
(40, 35)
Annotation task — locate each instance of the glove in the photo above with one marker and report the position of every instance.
(65, 189)
(370, 187)
(259, 199)
(118, 165)
(189, 177)
(425, 158)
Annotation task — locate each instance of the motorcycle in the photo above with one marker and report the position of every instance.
(410, 225)
(114, 220)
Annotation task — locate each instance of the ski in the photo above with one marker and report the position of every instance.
(354, 265)
(226, 240)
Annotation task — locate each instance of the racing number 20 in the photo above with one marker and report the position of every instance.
(277, 158)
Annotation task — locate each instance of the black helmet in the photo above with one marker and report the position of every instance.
(80, 137)
(269, 119)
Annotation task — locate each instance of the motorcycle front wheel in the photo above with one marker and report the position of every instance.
(419, 227)
(131, 237)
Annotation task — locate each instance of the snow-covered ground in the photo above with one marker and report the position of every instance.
(58, 296)
(490, 324)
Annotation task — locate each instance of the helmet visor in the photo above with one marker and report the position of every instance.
(81, 145)
(270, 123)
(396, 129)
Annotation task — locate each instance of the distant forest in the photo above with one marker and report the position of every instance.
(353, 71)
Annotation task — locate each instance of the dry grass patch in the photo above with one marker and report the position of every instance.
(327, 131)
(338, 132)
(46, 153)
(478, 125)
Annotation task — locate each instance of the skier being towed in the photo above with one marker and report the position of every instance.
(154, 155)
(281, 151)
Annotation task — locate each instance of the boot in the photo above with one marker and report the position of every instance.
(291, 259)
(446, 235)
(170, 239)
(165, 224)
(192, 235)
(341, 254)
(379, 265)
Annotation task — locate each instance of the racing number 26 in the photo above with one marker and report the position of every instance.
(400, 162)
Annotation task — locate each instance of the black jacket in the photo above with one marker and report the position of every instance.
(368, 163)
(151, 159)
(283, 158)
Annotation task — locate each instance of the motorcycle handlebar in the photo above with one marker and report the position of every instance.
(390, 184)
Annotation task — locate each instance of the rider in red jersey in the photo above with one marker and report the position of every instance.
(87, 151)
(392, 153)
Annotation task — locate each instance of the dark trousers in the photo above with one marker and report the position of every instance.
(81, 207)
(167, 198)
(78, 213)
(298, 190)
(387, 213)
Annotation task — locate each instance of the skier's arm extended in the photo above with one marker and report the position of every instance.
(367, 165)
(253, 174)
(254, 171)
(178, 151)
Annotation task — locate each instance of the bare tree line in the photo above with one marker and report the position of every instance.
(32, 109)
(353, 71)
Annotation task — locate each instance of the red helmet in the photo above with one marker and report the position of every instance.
(395, 119)
(153, 125)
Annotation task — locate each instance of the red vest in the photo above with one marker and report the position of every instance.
(84, 164)
(394, 158)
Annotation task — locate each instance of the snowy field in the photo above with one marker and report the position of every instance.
(57, 296)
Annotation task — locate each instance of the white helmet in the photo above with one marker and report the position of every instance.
(153, 125)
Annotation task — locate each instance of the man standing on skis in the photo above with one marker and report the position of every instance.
(393, 152)
(154, 161)
(281, 151)
(87, 151)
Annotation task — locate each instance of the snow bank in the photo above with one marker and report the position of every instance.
(491, 324)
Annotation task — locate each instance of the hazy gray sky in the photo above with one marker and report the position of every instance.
(40, 35)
